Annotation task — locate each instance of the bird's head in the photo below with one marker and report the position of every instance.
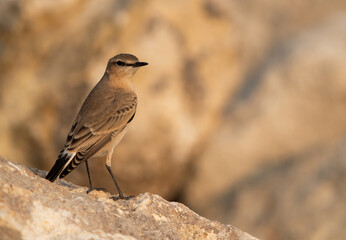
(124, 65)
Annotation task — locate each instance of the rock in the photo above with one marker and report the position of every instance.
(234, 90)
(33, 208)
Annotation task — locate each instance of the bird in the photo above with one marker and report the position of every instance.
(102, 120)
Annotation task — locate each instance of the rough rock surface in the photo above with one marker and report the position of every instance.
(33, 208)
(242, 100)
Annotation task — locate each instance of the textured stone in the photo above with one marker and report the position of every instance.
(33, 208)
(234, 92)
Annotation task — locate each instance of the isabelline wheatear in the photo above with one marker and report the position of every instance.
(102, 120)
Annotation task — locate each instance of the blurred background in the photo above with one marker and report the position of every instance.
(241, 114)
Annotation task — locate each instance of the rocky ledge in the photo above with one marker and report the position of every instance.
(33, 208)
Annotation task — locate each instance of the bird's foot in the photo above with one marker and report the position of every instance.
(96, 189)
(121, 196)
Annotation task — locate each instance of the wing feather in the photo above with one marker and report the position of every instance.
(100, 117)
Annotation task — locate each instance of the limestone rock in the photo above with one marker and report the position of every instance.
(235, 91)
(33, 208)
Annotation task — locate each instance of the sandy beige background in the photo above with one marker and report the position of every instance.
(242, 110)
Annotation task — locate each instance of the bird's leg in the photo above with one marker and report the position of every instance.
(90, 183)
(121, 195)
(108, 166)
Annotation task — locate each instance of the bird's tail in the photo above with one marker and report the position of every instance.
(63, 160)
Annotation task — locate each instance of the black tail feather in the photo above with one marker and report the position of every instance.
(58, 167)
(77, 159)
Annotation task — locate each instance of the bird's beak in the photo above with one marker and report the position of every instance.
(140, 64)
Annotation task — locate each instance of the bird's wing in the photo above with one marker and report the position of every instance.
(96, 124)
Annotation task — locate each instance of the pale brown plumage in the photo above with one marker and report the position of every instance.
(103, 118)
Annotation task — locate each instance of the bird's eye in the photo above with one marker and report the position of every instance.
(120, 63)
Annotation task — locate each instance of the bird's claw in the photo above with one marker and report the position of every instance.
(121, 196)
